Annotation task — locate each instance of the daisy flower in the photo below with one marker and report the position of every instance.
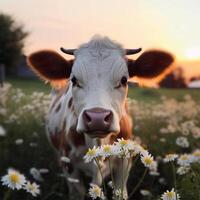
(65, 159)
(106, 150)
(125, 148)
(138, 149)
(145, 192)
(170, 157)
(13, 179)
(95, 192)
(118, 194)
(196, 155)
(124, 144)
(182, 142)
(32, 188)
(91, 154)
(148, 161)
(170, 195)
(2, 131)
(184, 160)
(183, 170)
(73, 180)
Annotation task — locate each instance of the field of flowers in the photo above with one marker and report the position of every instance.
(166, 123)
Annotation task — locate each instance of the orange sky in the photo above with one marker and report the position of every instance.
(171, 25)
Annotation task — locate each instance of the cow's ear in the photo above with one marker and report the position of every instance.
(49, 65)
(150, 64)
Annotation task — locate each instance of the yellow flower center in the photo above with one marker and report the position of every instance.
(14, 178)
(96, 190)
(196, 154)
(184, 157)
(170, 194)
(107, 148)
(91, 152)
(148, 161)
(123, 142)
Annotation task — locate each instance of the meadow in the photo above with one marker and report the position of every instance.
(165, 121)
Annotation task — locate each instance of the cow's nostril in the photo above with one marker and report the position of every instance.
(108, 117)
(87, 117)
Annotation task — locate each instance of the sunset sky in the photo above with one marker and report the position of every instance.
(173, 25)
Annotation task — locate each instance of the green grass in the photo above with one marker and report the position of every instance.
(29, 85)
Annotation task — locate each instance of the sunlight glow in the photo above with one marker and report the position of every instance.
(193, 54)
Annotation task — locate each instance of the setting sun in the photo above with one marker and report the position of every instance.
(193, 53)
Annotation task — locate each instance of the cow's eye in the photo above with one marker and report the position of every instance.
(75, 82)
(124, 81)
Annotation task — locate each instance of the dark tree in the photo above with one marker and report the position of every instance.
(12, 37)
(175, 79)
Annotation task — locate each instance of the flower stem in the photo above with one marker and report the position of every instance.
(133, 164)
(111, 173)
(174, 177)
(122, 185)
(7, 195)
(139, 183)
(98, 165)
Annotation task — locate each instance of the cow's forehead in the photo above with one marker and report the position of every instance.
(99, 57)
(88, 65)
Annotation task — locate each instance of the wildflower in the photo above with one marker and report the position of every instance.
(13, 179)
(183, 170)
(65, 159)
(125, 146)
(73, 180)
(2, 131)
(170, 195)
(154, 172)
(32, 188)
(196, 155)
(118, 194)
(91, 154)
(107, 150)
(138, 149)
(19, 141)
(110, 184)
(182, 142)
(95, 192)
(184, 160)
(36, 174)
(145, 192)
(147, 160)
(123, 143)
(170, 157)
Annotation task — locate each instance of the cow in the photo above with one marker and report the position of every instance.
(89, 99)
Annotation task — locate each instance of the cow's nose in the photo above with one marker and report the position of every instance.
(97, 119)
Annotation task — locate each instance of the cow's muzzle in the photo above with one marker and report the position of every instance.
(97, 121)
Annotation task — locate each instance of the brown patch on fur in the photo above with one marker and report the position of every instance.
(77, 139)
(150, 64)
(59, 141)
(59, 95)
(49, 65)
(125, 130)
(70, 102)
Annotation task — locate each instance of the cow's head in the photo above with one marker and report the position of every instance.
(99, 75)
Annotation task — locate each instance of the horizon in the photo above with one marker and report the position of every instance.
(171, 26)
